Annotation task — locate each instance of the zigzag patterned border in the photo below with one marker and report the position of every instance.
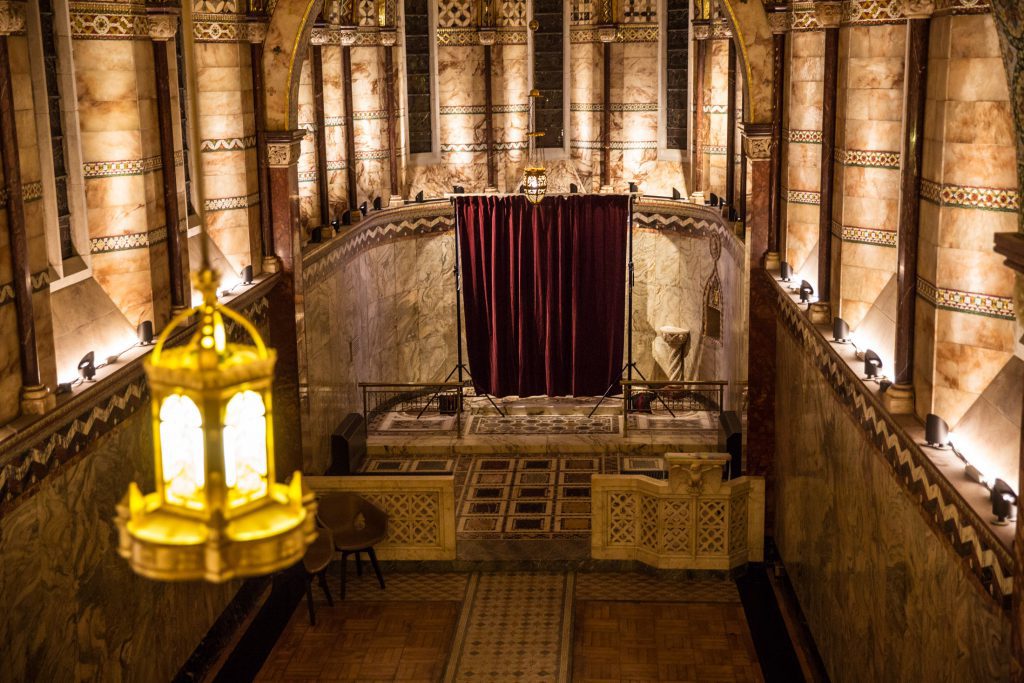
(949, 515)
(228, 144)
(57, 439)
(40, 282)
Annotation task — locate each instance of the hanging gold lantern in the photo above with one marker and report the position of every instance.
(535, 176)
(217, 512)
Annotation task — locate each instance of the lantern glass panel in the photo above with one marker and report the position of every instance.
(245, 447)
(182, 451)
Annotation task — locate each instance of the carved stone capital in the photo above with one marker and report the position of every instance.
(721, 29)
(388, 37)
(320, 35)
(757, 147)
(12, 17)
(701, 30)
(348, 36)
(829, 13)
(606, 34)
(778, 22)
(283, 148)
(256, 32)
(918, 9)
(487, 36)
(163, 27)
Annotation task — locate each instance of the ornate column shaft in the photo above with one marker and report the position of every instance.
(701, 34)
(162, 29)
(388, 39)
(829, 14)
(35, 396)
(777, 20)
(322, 185)
(350, 139)
(606, 35)
(487, 39)
(730, 132)
(257, 33)
(900, 397)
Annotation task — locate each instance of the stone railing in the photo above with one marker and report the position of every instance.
(421, 512)
(692, 521)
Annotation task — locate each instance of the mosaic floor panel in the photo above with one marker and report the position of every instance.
(411, 422)
(548, 627)
(682, 423)
(544, 424)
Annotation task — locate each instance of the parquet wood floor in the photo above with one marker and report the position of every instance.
(650, 641)
(365, 642)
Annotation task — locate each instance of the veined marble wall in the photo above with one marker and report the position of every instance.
(965, 321)
(370, 124)
(511, 91)
(334, 133)
(886, 599)
(715, 105)
(309, 195)
(866, 193)
(802, 170)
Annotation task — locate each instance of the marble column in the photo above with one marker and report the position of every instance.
(900, 396)
(492, 171)
(757, 151)
(350, 135)
(271, 264)
(606, 116)
(388, 39)
(320, 121)
(829, 14)
(730, 130)
(35, 395)
(286, 300)
(701, 34)
(163, 29)
(777, 20)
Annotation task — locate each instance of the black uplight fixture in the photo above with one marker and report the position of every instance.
(346, 218)
(377, 204)
(573, 188)
(87, 367)
(840, 330)
(806, 292)
(872, 363)
(336, 226)
(419, 197)
(676, 194)
(364, 208)
(247, 275)
(784, 271)
(713, 200)
(316, 235)
(936, 431)
(144, 332)
(1004, 500)
(633, 187)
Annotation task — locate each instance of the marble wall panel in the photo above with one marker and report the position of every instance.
(309, 199)
(968, 194)
(885, 597)
(370, 124)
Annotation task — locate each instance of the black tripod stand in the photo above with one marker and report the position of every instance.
(630, 367)
(460, 369)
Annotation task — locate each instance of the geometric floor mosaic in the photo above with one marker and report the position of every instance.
(519, 626)
(544, 424)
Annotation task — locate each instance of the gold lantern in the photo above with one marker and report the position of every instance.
(217, 512)
(535, 176)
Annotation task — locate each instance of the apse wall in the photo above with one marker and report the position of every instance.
(380, 304)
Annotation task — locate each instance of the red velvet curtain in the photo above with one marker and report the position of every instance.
(544, 292)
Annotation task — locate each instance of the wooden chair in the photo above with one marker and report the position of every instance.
(356, 526)
(318, 556)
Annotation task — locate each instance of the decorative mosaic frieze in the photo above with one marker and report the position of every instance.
(873, 12)
(809, 137)
(614, 106)
(336, 165)
(802, 17)
(372, 115)
(715, 109)
(108, 21)
(948, 7)
(125, 167)
(509, 146)
(627, 33)
(803, 197)
(372, 155)
(457, 109)
(867, 158)
(307, 177)
(334, 122)
(714, 149)
(228, 144)
(230, 203)
(215, 6)
(985, 198)
(134, 240)
(39, 282)
(215, 28)
(510, 109)
(966, 302)
(950, 516)
(30, 192)
(876, 236)
(461, 37)
(454, 13)
(620, 145)
(456, 147)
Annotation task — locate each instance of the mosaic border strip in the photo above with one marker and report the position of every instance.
(806, 137)
(614, 106)
(949, 515)
(510, 109)
(373, 114)
(223, 28)
(228, 144)
(803, 197)
(952, 7)
(714, 149)
(454, 109)
(469, 37)
(58, 438)
(456, 147)
(108, 21)
(40, 282)
(132, 240)
(335, 165)
(873, 12)
(619, 145)
(964, 197)
(308, 176)
(988, 305)
(30, 192)
(334, 122)
(231, 203)
(125, 167)
(877, 236)
(802, 17)
(373, 154)
(509, 146)
(867, 158)
(715, 109)
(626, 33)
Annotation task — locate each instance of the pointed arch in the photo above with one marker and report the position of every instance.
(753, 37)
(286, 42)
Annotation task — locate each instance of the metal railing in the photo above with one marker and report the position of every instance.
(641, 396)
(421, 398)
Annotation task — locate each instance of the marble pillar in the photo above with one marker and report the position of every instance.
(829, 14)
(308, 169)
(778, 114)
